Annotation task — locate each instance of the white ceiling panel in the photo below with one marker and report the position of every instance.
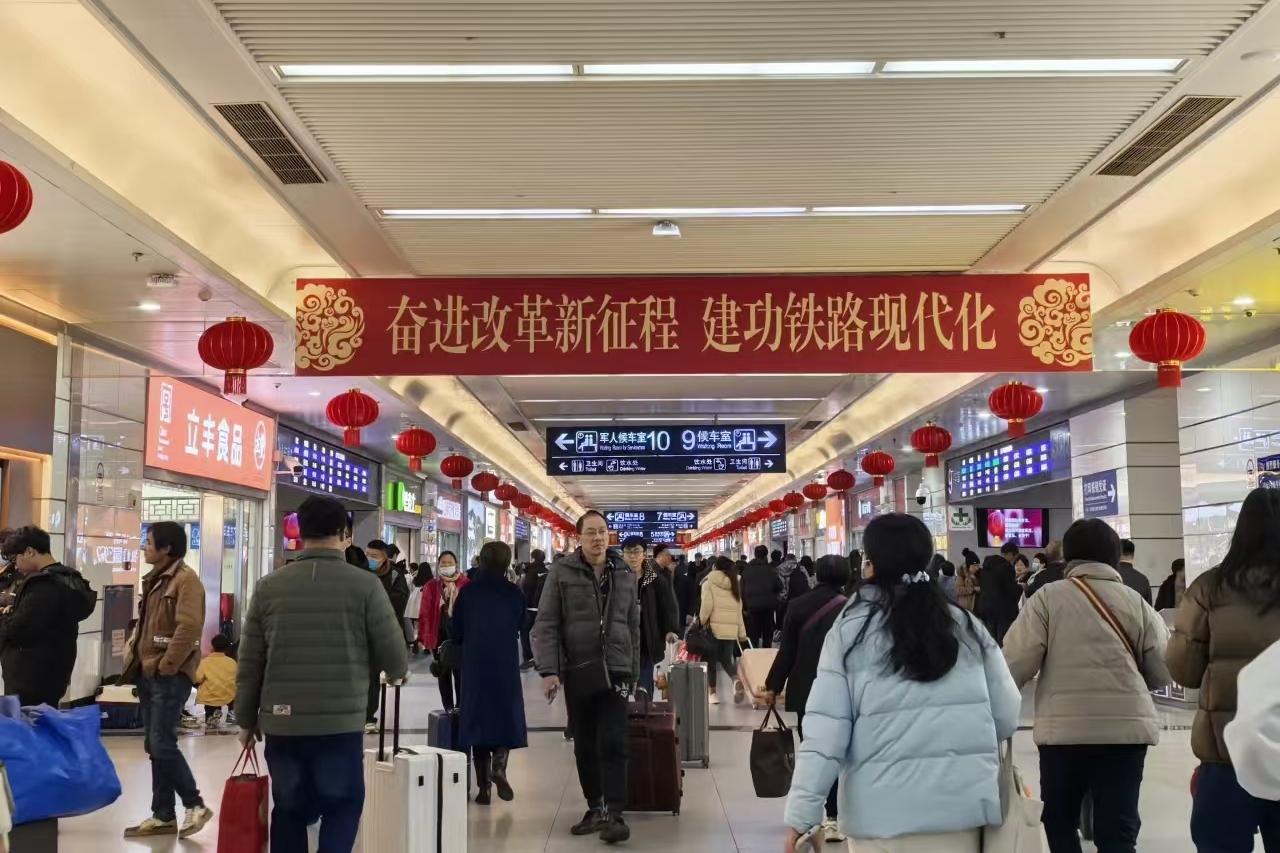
(725, 30)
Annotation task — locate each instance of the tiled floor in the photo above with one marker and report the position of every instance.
(720, 812)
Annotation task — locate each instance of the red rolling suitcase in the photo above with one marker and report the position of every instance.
(655, 778)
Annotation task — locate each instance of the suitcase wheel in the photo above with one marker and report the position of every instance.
(706, 762)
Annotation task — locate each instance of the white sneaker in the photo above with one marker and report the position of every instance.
(195, 821)
(831, 831)
(739, 691)
(713, 699)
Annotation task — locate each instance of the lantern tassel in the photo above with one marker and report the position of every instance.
(1169, 374)
(1017, 429)
(931, 461)
(415, 463)
(457, 484)
(235, 384)
(351, 437)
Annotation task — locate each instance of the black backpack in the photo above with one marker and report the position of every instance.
(80, 599)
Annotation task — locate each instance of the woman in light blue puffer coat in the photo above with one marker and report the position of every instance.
(911, 702)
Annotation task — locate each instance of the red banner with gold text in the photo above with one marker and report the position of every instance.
(694, 324)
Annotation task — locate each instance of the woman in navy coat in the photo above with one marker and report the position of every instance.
(487, 619)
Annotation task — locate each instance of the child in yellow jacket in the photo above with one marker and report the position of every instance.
(216, 679)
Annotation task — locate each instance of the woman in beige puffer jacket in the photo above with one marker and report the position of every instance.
(722, 613)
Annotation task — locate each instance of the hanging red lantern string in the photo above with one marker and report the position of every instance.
(15, 197)
(815, 491)
(840, 482)
(235, 346)
(931, 440)
(456, 468)
(484, 483)
(879, 465)
(415, 442)
(795, 500)
(352, 410)
(1167, 339)
(505, 493)
(777, 506)
(1017, 404)
(522, 501)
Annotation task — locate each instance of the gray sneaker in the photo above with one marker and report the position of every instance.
(196, 819)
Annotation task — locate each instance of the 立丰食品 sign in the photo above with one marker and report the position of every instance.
(673, 324)
(190, 431)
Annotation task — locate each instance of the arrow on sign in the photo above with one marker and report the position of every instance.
(1111, 493)
(768, 463)
(768, 439)
(564, 442)
(564, 466)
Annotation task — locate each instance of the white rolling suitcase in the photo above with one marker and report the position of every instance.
(415, 798)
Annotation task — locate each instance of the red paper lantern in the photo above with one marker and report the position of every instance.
(1017, 404)
(995, 525)
(931, 440)
(840, 481)
(235, 346)
(15, 197)
(484, 483)
(777, 506)
(1167, 338)
(795, 500)
(815, 491)
(522, 501)
(352, 410)
(415, 442)
(879, 465)
(456, 468)
(505, 493)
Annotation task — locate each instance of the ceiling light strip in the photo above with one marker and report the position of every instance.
(704, 212)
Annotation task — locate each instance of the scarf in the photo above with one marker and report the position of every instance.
(649, 575)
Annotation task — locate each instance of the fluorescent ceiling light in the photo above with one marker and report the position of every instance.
(1123, 354)
(1033, 66)
(573, 420)
(435, 71)
(1042, 390)
(488, 213)
(750, 418)
(921, 210)
(1242, 302)
(313, 393)
(729, 69)
(683, 400)
(148, 306)
(687, 212)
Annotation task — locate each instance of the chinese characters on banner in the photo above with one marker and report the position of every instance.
(704, 324)
(190, 431)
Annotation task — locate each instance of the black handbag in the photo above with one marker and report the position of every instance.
(701, 642)
(773, 756)
(449, 655)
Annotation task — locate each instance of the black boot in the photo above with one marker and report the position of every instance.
(483, 782)
(499, 774)
(592, 822)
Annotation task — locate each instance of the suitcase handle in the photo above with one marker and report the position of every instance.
(382, 721)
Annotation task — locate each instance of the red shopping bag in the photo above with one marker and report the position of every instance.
(242, 821)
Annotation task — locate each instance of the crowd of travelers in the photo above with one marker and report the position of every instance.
(906, 672)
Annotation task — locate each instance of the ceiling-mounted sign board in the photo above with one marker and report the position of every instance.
(667, 449)
(673, 324)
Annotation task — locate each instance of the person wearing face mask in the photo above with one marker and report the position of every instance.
(438, 599)
(659, 618)
(380, 557)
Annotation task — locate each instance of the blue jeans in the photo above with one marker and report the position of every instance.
(645, 681)
(162, 699)
(1224, 817)
(316, 776)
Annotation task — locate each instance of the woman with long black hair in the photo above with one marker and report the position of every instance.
(911, 703)
(721, 611)
(1228, 616)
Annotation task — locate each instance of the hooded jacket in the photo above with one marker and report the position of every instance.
(573, 611)
(911, 757)
(720, 610)
(1090, 690)
(38, 637)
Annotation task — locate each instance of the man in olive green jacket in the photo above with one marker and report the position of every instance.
(315, 630)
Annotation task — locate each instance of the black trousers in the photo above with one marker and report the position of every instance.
(833, 797)
(600, 747)
(526, 646)
(760, 627)
(1112, 774)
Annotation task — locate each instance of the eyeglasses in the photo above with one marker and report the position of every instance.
(634, 551)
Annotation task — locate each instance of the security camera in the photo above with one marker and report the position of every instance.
(922, 494)
(1249, 312)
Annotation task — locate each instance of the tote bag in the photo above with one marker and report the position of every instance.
(242, 821)
(773, 756)
(1020, 832)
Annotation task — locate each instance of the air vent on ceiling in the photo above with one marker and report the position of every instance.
(810, 425)
(1183, 119)
(260, 129)
(518, 426)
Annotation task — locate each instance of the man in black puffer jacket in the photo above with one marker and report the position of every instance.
(761, 588)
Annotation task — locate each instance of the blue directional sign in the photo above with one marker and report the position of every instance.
(683, 449)
(675, 519)
(1101, 498)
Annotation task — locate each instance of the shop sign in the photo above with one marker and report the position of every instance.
(1101, 498)
(318, 466)
(193, 432)
(961, 519)
(778, 529)
(401, 497)
(449, 513)
(730, 324)
(490, 523)
(522, 528)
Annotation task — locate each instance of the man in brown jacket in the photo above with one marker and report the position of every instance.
(162, 658)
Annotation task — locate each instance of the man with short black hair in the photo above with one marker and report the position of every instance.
(1134, 579)
(535, 576)
(587, 635)
(38, 629)
(999, 592)
(162, 658)
(382, 563)
(761, 588)
(303, 684)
